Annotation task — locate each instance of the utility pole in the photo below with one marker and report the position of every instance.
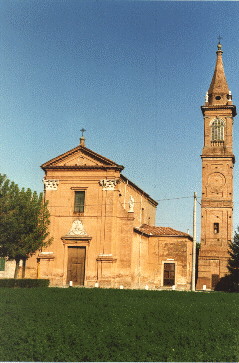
(194, 241)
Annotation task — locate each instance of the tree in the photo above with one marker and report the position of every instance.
(233, 262)
(24, 221)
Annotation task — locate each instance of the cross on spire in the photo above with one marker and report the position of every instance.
(219, 38)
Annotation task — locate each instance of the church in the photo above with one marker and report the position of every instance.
(103, 230)
(103, 225)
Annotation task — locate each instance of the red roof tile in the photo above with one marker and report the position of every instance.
(160, 231)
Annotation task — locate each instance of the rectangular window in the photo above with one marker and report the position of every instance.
(218, 130)
(216, 228)
(79, 201)
(169, 274)
(2, 264)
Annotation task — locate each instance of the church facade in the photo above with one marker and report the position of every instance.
(103, 230)
(217, 180)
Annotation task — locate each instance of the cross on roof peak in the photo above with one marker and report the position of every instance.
(83, 130)
(82, 139)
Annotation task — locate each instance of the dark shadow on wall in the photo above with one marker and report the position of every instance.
(228, 284)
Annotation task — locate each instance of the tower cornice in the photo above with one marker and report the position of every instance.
(219, 107)
(218, 157)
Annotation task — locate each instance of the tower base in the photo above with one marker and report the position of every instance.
(210, 272)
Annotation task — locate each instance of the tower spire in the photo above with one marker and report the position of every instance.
(218, 93)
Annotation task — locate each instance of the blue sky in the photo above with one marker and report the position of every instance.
(132, 73)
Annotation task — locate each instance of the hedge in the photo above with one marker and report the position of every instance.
(24, 282)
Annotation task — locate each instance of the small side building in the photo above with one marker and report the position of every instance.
(102, 229)
(165, 257)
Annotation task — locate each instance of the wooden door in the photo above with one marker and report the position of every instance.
(76, 265)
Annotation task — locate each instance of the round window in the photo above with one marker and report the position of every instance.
(218, 97)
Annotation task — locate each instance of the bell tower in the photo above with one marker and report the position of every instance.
(217, 179)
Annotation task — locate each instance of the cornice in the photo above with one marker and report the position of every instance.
(230, 157)
(127, 181)
(82, 167)
(212, 156)
(219, 107)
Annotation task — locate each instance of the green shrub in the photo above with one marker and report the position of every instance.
(24, 282)
(7, 282)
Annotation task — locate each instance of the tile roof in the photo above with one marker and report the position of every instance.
(160, 231)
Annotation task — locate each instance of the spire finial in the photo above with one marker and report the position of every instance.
(219, 46)
(82, 139)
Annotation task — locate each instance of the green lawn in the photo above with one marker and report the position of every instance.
(72, 325)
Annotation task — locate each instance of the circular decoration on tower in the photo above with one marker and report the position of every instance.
(215, 182)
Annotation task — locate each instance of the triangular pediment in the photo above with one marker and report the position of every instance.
(80, 158)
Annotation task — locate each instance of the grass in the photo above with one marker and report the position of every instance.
(75, 325)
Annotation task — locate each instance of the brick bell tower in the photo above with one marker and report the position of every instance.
(217, 179)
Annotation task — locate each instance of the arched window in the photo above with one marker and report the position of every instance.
(218, 129)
